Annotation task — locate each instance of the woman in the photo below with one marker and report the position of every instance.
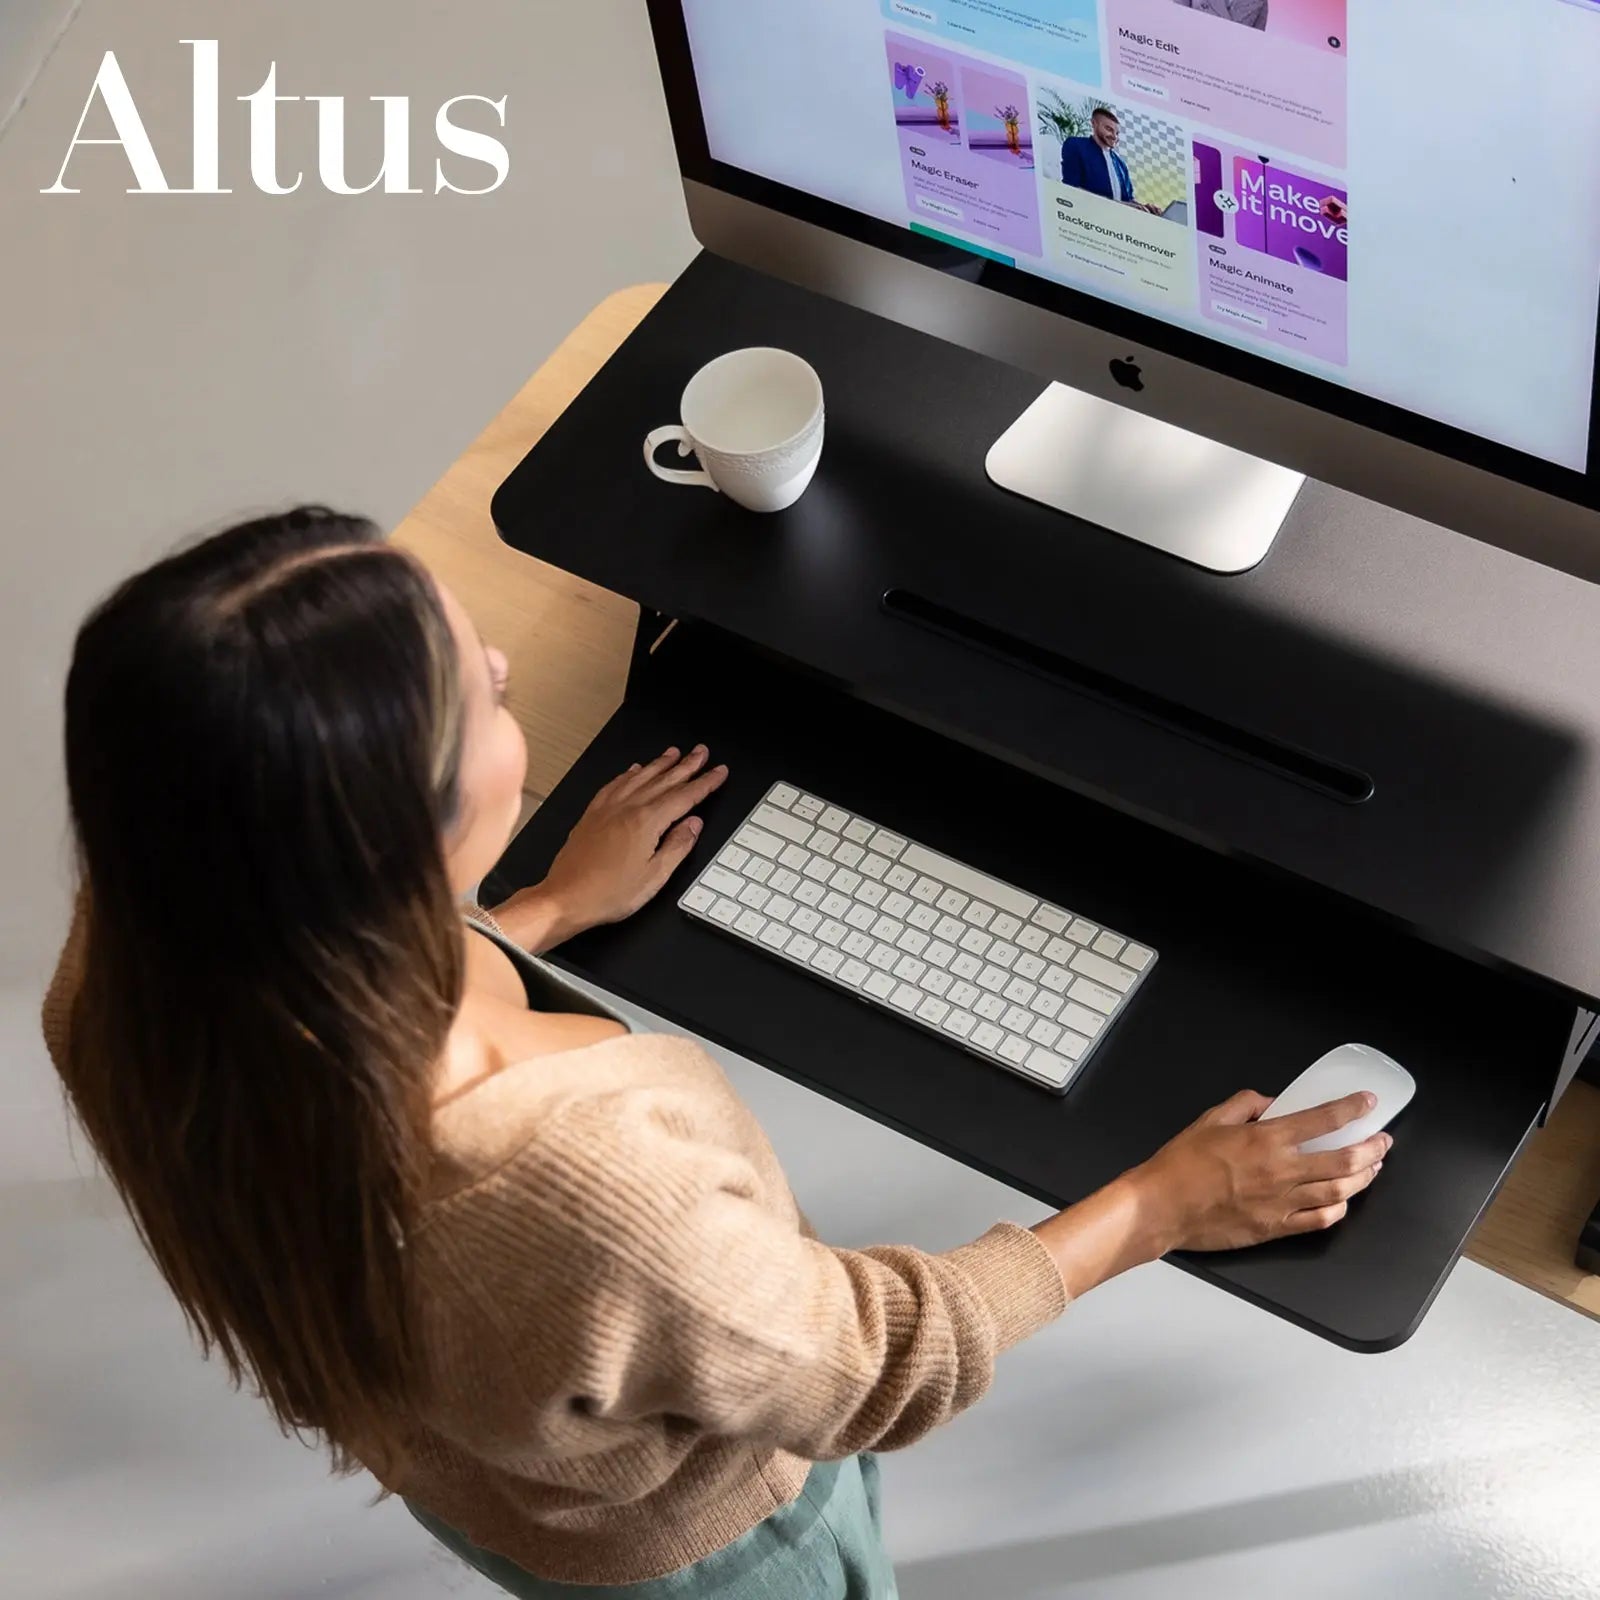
(544, 1278)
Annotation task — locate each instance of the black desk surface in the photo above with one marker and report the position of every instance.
(1466, 681)
(1258, 976)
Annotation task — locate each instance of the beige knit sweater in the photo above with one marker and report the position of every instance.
(633, 1347)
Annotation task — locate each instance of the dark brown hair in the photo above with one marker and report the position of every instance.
(263, 747)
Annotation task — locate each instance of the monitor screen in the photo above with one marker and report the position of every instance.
(1401, 197)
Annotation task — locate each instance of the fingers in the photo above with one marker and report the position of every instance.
(1304, 1126)
(1318, 1220)
(677, 844)
(1318, 1196)
(1344, 1163)
(1243, 1107)
(676, 802)
(613, 790)
(636, 779)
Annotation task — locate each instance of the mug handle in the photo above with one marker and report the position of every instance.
(661, 436)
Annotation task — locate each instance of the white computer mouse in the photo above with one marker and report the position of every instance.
(1348, 1070)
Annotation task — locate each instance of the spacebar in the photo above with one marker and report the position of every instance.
(946, 871)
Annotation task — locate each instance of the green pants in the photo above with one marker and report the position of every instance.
(827, 1545)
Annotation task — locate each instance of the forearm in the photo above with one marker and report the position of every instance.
(1105, 1235)
(537, 920)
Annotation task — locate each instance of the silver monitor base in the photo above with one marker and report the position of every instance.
(1147, 480)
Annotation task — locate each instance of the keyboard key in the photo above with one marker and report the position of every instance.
(1072, 1047)
(857, 944)
(966, 965)
(992, 979)
(794, 858)
(1060, 951)
(803, 919)
(1015, 1049)
(987, 1037)
(808, 893)
(905, 998)
(883, 957)
(880, 986)
(861, 916)
(1096, 968)
(1003, 954)
(750, 924)
(975, 941)
(963, 995)
(925, 890)
(939, 955)
(936, 982)
(832, 933)
(826, 960)
(776, 935)
(779, 909)
(990, 1006)
(1082, 1020)
(809, 807)
(887, 844)
(759, 842)
(855, 973)
(875, 866)
(955, 876)
(848, 855)
(700, 898)
(783, 823)
(801, 948)
(783, 881)
(783, 796)
(1032, 938)
(726, 912)
(924, 917)
(933, 1011)
(1051, 920)
(1137, 957)
(1051, 1068)
(758, 869)
(1056, 979)
(1029, 967)
(979, 914)
(1017, 1020)
(896, 905)
(754, 896)
(833, 819)
(734, 857)
(913, 941)
(870, 894)
(949, 930)
(1047, 1004)
(952, 902)
(960, 1023)
(723, 881)
(1044, 1032)
(858, 832)
(1020, 991)
(834, 904)
(824, 844)
(844, 881)
(1093, 996)
(910, 969)
(1005, 926)
(887, 929)
(819, 869)
(899, 877)
(1081, 931)
(1108, 944)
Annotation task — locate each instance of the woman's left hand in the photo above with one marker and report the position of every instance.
(633, 837)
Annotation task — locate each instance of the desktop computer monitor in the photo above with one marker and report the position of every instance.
(1251, 239)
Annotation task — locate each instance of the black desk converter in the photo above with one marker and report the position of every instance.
(1168, 752)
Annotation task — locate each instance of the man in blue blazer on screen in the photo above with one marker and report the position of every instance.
(1093, 163)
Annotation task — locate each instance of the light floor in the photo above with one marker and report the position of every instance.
(165, 364)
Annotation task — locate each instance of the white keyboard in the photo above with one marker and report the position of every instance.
(1018, 982)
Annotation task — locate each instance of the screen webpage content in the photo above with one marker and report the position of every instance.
(1401, 198)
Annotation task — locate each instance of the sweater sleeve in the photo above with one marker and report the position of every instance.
(695, 1296)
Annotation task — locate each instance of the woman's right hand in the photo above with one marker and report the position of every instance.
(1231, 1180)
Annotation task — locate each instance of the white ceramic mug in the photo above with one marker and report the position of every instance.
(754, 418)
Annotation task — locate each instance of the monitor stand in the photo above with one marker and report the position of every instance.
(1147, 480)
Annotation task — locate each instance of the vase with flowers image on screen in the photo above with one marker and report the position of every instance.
(1011, 120)
(941, 103)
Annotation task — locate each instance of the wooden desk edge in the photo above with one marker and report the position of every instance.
(572, 640)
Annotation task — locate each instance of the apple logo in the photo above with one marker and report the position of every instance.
(1127, 374)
